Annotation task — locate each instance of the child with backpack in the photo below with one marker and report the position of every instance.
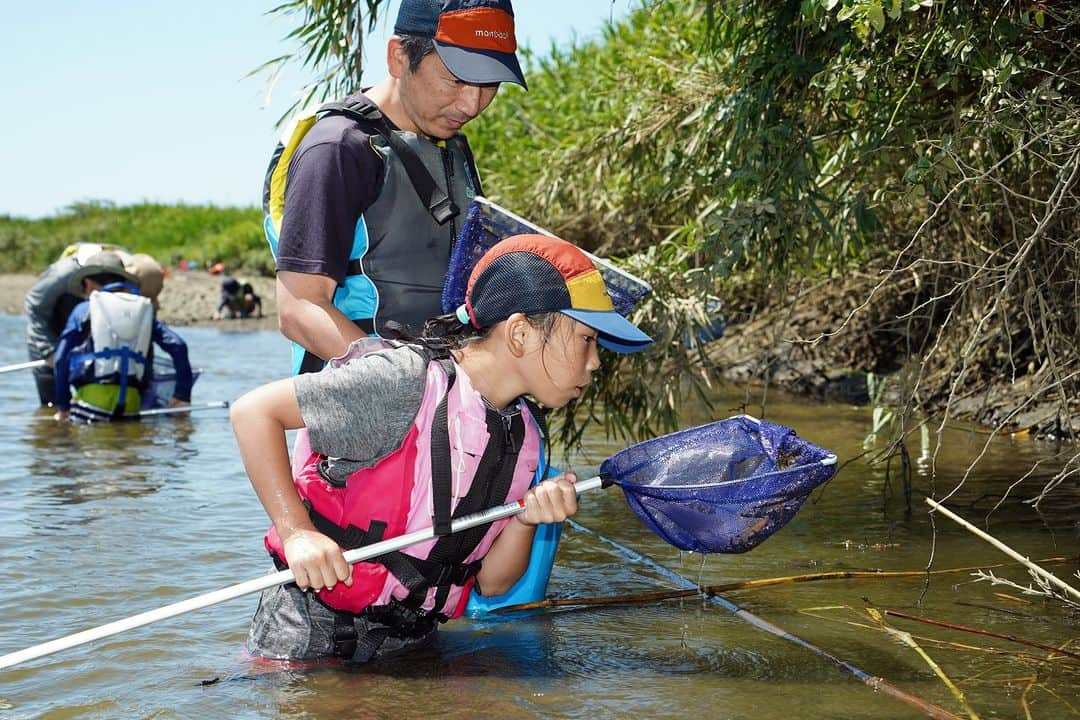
(105, 348)
(403, 436)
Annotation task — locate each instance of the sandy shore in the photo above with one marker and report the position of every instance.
(189, 298)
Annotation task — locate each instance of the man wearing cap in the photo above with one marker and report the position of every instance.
(362, 238)
(48, 305)
(52, 298)
(105, 348)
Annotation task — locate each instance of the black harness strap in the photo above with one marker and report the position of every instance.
(441, 480)
(490, 486)
(414, 573)
(434, 198)
(346, 537)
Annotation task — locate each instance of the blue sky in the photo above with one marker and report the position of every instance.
(147, 100)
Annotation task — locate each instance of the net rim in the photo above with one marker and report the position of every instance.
(828, 460)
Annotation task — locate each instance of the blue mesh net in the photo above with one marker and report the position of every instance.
(722, 487)
(486, 224)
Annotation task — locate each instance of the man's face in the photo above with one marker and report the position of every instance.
(437, 103)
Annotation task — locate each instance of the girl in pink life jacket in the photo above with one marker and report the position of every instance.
(403, 436)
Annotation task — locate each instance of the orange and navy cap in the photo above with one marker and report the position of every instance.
(474, 38)
(534, 274)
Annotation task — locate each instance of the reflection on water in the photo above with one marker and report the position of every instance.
(102, 522)
(129, 458)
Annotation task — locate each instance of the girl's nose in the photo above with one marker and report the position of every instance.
(594, 358)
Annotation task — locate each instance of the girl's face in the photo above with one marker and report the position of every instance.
(560, 365)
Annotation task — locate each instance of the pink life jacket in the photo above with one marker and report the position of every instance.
(400, 494)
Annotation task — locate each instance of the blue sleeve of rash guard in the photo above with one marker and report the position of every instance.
(170, 342)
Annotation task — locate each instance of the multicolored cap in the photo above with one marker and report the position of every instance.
(534, 274)
(474, 38)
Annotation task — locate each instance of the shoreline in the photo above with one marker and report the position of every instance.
(187, 300)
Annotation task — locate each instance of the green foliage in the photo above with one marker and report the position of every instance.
(770, 140)
(712, 145)
(331, 37)
(202, 233)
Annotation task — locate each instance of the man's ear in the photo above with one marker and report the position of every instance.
(397, 60)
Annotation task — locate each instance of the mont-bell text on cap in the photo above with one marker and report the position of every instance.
(485, 28)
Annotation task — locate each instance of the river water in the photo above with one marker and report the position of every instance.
(99, 523)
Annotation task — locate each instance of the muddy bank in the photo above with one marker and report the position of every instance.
(824, 340)
(189, 298)
(818, 341)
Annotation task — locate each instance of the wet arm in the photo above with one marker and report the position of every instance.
(74, 334)
(260, 419)
(307, 315)
(177, 349)
(551, 501)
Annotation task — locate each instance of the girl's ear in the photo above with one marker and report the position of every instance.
(516, 331)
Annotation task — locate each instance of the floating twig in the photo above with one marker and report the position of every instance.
(907, 639)
(988, 633)
(1032, 567)
(659, 596)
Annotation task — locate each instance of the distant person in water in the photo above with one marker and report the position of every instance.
(50, 301)
(238, 300)
(105, 350)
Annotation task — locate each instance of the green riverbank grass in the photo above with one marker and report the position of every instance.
(203, 233)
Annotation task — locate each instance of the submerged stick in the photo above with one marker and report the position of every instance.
(1044, 574)
(978, 631)
(907, 639)
(745, 585)
(877, 683)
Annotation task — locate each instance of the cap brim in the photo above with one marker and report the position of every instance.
(616, 333)
(481, 67)
(75, 283)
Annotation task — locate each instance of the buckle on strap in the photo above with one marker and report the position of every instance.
(443, 210)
